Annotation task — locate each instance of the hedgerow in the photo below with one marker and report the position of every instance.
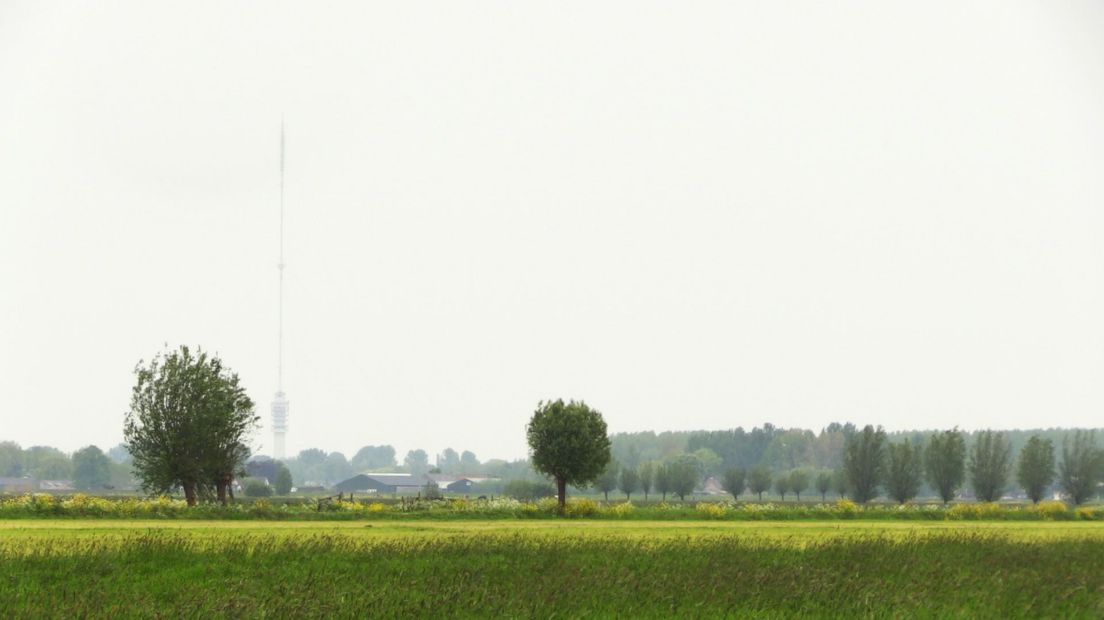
(38, 505)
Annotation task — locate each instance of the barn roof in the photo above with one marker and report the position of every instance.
(394, 480)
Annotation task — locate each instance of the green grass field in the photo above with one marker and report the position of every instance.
(204, 569)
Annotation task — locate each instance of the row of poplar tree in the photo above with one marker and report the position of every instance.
(871, 465)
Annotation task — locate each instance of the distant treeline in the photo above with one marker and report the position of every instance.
(778, 449)
(713, 453)
(87, 468)
(315, 466)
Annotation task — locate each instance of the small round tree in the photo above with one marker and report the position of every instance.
(1035, 471)
(283, 481)
(568, 442)
(735, 481)
(630, 482)
(91, 468)
(759, 481)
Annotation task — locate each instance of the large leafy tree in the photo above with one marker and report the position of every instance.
(904, 471)
(188, 422)
(945, 463)
(990, 464)
(1082, 466)
(1035, 471)
(91, 468)
(569, 442)
(864, 462)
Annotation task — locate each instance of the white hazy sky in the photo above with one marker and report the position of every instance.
(690, 214)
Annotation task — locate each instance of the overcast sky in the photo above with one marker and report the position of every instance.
(689, 214)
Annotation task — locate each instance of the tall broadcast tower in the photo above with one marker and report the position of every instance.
(280, 403)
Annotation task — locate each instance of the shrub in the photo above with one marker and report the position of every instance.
(581, 508)
(1052, 510)
(1090, 514)
(256, 488)
(974, 512)
(431, 490)
(712, 510)
(846, 509)
(622, 510)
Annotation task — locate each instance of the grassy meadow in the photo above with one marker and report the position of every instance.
(544, 568)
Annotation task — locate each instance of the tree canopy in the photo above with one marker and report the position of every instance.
(904, 471)
(568, 442)
(1082, 466)
(759, 481)
(187, 425)
(864, 462)
(90, 468)
(734, 481)
(945, 462)
(990, 463)
(629, 481)
(1035, 471)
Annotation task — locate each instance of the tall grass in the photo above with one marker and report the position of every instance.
(961, 574)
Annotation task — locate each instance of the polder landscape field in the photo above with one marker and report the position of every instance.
(80, 567)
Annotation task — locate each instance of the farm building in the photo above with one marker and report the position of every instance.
(451, 484)
(381, 483)
(403, 483)
(18, 485)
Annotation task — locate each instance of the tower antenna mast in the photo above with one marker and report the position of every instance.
(280, 267)
(280, 403)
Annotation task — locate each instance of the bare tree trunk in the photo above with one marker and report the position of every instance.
(190, 493)
(561, 492)
(225, 488)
